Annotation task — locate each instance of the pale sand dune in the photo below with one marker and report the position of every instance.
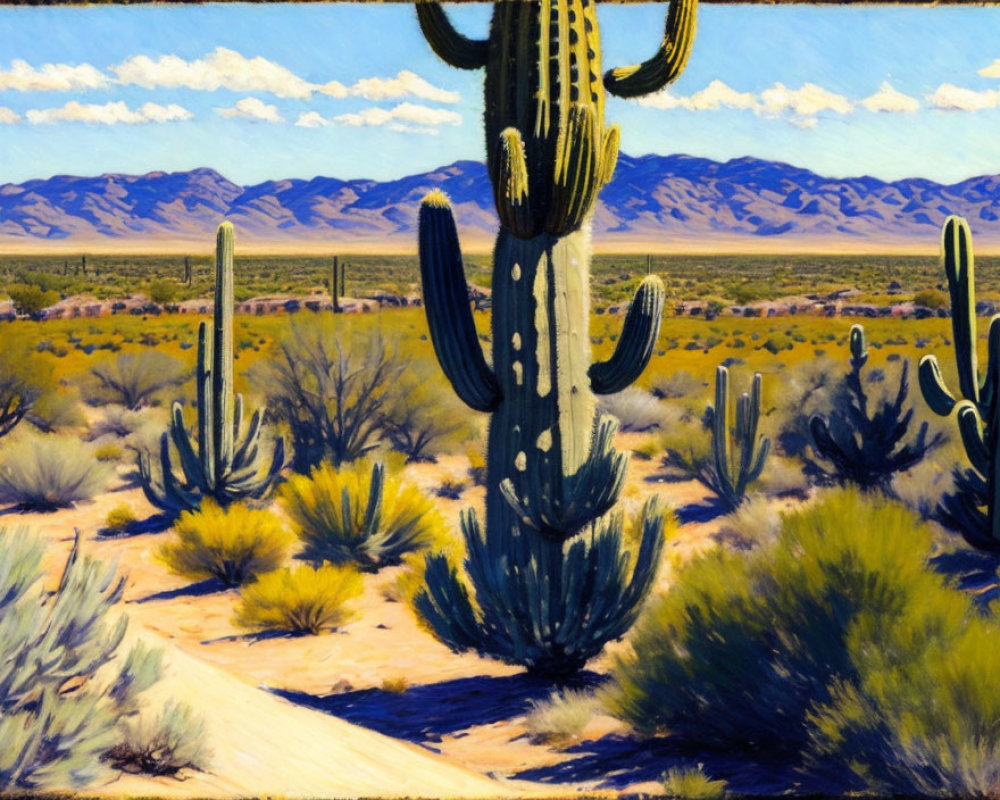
(264, 746)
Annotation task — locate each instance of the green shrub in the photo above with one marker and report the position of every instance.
(133, 379)
(172, 741)
(163, 291)
(692, 784)
(233, 544)
(359, 515)
(300, 600)
(60, 710)
(21, 387)
(31, 300)
(931, 298)
(43, 473)
(747, 645)
(777, 342)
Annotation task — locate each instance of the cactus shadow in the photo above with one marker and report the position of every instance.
(427, 712)
(199, 589)
(618, 761)
(705, 511)
(157, 523)
(972, 571)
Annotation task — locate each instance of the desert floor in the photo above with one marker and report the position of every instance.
(377, 708)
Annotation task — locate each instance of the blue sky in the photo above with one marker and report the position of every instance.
(347, 90)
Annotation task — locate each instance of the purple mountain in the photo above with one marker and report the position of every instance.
(651, 198)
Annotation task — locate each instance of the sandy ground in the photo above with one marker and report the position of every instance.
(378, 708)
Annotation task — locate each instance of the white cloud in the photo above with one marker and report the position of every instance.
(311, 119)
(806, 123)
(890, 101)
(221, 69)
(713, 97)
(253, 109)
(810, 99)
(417, 115)
(949, 97)
(404, 84)
(22, 77)
(109, 114)
(8, 116)
(991, 70)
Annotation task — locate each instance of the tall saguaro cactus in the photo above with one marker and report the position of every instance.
(225, 466)
(978, 413)
(551, 467)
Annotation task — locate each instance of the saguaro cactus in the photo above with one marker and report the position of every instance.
(551, 467)
(335, 287)
(224, 467)
(978, 413)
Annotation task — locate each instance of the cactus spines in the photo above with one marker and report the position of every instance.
(667, 63)
(978, 413)
(734, 471)
(225, 466)
(552, 471)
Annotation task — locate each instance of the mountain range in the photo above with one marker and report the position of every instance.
(650, 199)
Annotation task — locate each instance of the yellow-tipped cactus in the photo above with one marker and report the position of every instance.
(552, 471)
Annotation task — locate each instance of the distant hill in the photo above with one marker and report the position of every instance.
(651, 198)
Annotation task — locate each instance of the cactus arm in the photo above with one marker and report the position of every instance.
(959, 266)
(668, 62)
(449, 316)
(970, 426)
(190, 464)
(450, 45)
(636, 343)
(933, 388)
(989, 392)
(510, 190)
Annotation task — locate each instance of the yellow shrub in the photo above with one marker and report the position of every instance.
(231, 544)
(119, 518)
(108, 452)
(333, 513)
(300, 600)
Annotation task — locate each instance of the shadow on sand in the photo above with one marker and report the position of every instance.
(199, 589)
(428, 712)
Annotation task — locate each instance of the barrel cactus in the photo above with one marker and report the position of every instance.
(552, 471)
(224, 466)
(974, 508)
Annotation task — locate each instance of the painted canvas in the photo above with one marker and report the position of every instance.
(533, 399)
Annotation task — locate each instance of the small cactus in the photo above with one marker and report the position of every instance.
(335, 290)
(224, 466)
(974, 509)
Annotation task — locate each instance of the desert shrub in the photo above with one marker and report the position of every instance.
(562, 715)
(675, 385)
(109, 451)
(116, 421)
(358, 514)
(451, 487)
(60, 708)
(44, 472)
(808, 389)
(783, 477)
(233, 544)
(172, 741)
(790, 622)
(921, 725)
(21, 386)
(55, 410)
(931, 298)
(300, 600)
(634, 408)
(133, 379)
(692, 784)
(332, 391)
(31, 300)
(422, 416)
(864, 438)
(756, 523)
(396, 685)
(776, 342)
(120, 518)
(163, 291)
